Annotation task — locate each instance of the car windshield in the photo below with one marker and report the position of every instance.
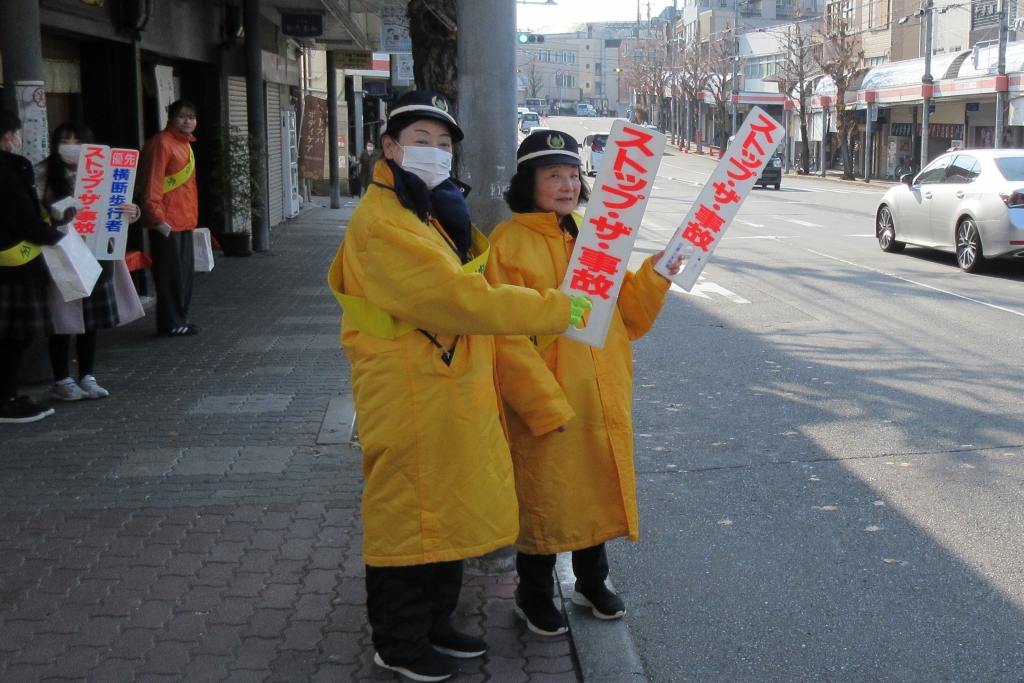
(1012, 168)
(600, 139)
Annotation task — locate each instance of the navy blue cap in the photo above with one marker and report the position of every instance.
(548, 148)
(423, 104)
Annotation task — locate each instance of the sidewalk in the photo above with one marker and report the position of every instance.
(191, 527)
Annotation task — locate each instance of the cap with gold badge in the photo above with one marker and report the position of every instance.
(548, 148)
(422, 104)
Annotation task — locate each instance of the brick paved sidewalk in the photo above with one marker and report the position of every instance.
(189, 527)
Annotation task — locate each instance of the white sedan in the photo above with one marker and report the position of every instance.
(968, 202)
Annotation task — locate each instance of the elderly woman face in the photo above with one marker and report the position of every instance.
(557, 189)
(422, 133)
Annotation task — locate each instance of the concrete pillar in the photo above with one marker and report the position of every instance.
(357, 104)
(867, 144)
(487, 105)
(332, 131)
(256, 110)
(23, 74)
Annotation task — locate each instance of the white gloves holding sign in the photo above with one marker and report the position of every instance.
(164, 229)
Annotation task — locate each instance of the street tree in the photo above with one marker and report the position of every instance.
(797, 75)
(694, 73)
(720, 49)
(647, 72)
(433, 29)
(841, 59)
(534, 78)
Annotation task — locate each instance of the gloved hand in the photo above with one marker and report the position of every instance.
(164, 229)
(580, 305)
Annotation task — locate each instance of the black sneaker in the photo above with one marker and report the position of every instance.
(22, 410)
(601, 601)
(541, 616)
(430, 666)
(454, 643)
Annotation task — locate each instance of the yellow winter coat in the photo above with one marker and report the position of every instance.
(576, 488)
(438, 475)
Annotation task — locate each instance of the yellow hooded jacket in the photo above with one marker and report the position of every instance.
(576, 488)
(436, 464)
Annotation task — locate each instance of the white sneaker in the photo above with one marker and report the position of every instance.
(67, 390)
(91, 389)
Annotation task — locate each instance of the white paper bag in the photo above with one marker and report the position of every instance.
(72, 267)
(129, 306)
(203, 250)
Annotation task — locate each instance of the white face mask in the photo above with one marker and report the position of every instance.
(369, 149)
(431, 164)
(70, 153)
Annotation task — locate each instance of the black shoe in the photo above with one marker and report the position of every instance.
(601, 601)
(22, 410)
(430, 666)
(189, 330)
(541, 615)
(454, 643)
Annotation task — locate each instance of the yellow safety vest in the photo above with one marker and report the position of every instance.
(376, 322)
(173, 182)
(19, 254)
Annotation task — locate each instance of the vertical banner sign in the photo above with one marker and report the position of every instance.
(721, 198)
(394, 29)
(35, 135)
(616, 208)
(313, 138)
(105, 181)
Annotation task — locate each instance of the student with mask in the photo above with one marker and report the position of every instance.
(417, 326)
(82, 318)
(24, 313)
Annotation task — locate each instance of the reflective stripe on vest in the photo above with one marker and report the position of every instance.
(173, 182)
(19, 254)
(376, 322)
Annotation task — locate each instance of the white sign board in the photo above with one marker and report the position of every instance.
(35, 135)
(105, 181)
(616, 208)
(720, 200)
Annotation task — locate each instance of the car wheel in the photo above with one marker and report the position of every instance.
(885, 231)
(968, 246)
(778, 185)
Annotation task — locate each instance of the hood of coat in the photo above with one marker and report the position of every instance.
(543, 223)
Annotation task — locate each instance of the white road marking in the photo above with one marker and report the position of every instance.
(797, 221)
(749, 224)
(703, 287)
(915, 282)
(760, 237)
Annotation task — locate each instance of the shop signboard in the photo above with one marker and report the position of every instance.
(394, 30)
(302, 25)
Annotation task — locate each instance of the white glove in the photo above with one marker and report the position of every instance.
(164, 229)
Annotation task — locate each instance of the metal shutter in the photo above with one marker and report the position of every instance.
(275, 177)
(237, 112)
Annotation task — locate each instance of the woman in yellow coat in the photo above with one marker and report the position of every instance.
(417, 325)
(570, 405)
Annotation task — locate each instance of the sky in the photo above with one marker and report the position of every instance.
(566, 12)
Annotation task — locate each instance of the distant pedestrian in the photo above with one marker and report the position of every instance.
(170, 210)
(24, 314)
(366, 161)
(418, 315)
(569, 405)
(82, 318)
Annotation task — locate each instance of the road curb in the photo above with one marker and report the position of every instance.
(605, 649)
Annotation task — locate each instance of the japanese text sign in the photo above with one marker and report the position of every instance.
(720, 200)
(105, 181)
(617, 203)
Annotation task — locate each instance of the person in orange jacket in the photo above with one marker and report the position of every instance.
(569, 405)
(170, 210)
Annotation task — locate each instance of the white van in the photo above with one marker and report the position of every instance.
(584, 109)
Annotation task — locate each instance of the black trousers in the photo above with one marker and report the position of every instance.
(12, 352)
(173, 275)
(406, 604)
(536, 577)
(60, 354)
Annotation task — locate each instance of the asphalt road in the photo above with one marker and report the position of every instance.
(830, 451)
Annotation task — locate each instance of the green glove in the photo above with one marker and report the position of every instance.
(580, 305)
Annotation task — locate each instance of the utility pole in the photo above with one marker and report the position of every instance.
(332, 131)
(23, 75)
(1001, 81)
(256, 116)
(735, 61)
(674, 117)
(926, 84)
(487, 64)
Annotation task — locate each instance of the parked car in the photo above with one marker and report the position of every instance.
(968, 202)
(529, 120)
(520, 112)
(593, 151)
(584, 109)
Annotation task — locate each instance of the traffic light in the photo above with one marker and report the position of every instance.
(618, 70)
(526, 38)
